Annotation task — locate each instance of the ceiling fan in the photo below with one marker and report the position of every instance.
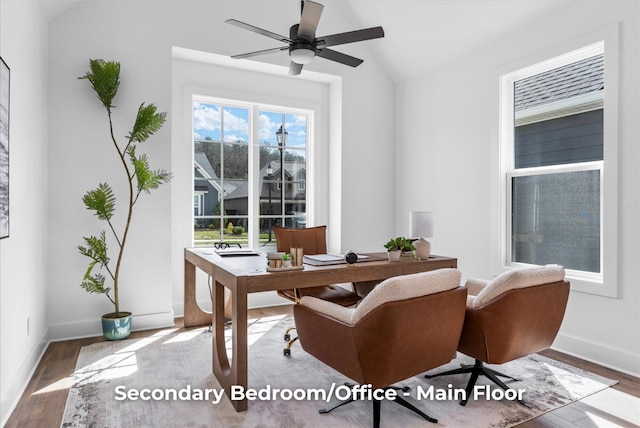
(302, 43)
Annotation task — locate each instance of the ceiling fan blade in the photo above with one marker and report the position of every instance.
(311, 12)
(257, 30)
(350, 37)
(262, 52)
(295, 69)
(339, 57)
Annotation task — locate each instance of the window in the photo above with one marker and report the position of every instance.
(249, 161)
(553, 151)
(198, 203)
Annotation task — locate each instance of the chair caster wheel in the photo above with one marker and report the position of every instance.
(286, 352)
(287, 337)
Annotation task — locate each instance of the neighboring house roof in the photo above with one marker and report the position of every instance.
(291, 169)
(238, 189)
(202, 164)
(561, 83)
(563, 91)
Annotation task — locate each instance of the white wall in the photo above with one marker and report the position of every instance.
(447, 158)
(81, 158)
(23, 256)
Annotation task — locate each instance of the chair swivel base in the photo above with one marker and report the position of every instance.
(376, 405)
(287, 338)
(476, 370)
(287, 348)
(287, 334)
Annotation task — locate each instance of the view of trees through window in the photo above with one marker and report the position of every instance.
(250, 167)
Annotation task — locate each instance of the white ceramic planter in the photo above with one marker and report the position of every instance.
(394, 255)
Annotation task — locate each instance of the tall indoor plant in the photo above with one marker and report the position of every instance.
(104, 77)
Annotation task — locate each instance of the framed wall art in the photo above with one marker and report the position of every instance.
(4, 149)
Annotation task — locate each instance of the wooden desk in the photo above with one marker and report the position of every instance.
(244, 275)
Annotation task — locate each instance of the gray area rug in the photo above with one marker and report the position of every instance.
(175, 370)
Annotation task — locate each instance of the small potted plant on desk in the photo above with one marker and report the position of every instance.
(286, 260)
(139, 178)
(395, 247)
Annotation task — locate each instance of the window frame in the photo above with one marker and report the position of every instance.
(254, 180)
(604, 41)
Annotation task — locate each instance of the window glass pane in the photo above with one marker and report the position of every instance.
(236, 125)
(295, 189)
(556, 219)
(569, 139)
(206, 122)
(223, 147)
(207, 158)
(236, 231)
(235, 178)
(270, 123)
(283, 163)
(220, 172)
(558, 115)
(296, 126)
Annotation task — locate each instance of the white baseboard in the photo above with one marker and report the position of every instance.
(93, 327)
(613, 358)
(20, 381)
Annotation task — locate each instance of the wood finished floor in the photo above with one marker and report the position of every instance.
(42, 404)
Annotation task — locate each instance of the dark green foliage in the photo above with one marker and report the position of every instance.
(400, 243)
(105, 80)
(146, 179)
(148, 121)
(96, 250)
(101, 200)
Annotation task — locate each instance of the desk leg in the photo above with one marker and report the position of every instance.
(236, 372)
(193, 314)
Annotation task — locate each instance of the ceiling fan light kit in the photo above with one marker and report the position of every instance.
(302, 53)
(302, 43)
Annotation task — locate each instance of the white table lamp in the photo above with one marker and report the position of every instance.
(421, 227)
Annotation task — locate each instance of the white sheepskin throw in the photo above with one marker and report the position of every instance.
(393, 289)
(520, 278)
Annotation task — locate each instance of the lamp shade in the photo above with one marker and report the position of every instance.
(421, 224)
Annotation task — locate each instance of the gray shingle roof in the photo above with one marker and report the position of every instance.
(201, 159)
(560, 83)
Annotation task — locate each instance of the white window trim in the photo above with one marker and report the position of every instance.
(605, 283)
(254, 109)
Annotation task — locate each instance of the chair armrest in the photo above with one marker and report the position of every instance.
(470, 300)
(475, 286)
(330, 309)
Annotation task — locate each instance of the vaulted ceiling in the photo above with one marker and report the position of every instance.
(419, 34)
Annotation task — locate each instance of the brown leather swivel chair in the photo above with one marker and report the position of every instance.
(515, 315)
(313, 240)
(405, 326)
